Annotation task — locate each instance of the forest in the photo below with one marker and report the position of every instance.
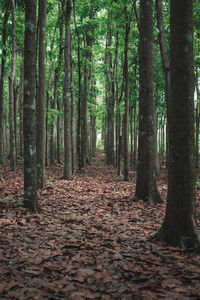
(99, 149)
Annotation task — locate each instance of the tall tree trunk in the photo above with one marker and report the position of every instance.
(165, 58)
(109, 96)
(73, 133)
(66, 97)
(79, 108)
(11, 95)
(179, 226)
(40, 107)
(146, 188)
(30, 169)
(88, 56)
(21, 101)
(126, 113)
(2, 76)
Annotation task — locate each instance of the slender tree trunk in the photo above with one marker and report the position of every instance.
(73, 133)
(79, 108)
(126, 113)
(30, 169)
(109, 97)
(165, 58)
(66, 97)
(88, 56)
(2, 76)
(40, 107)
(146, 188)
(179, 225)
(49, 89)
(21, 101)
(11, 95)
(135, 136)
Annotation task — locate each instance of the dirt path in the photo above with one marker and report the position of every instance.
(89, 242)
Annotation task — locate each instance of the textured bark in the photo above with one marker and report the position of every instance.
(11, 95)
(179, 226)
(30, 169)
(40, 107)
(66, 97)
(2, 77)
(146, 188)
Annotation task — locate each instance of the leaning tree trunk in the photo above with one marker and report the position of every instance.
(179, 225)
(66, 97)
(30, 169)
(146, 188)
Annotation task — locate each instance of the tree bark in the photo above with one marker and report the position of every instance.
(179, 225)
(30, 169)
(11, 95)
(146, 188)
(2, 77)
(66, 97)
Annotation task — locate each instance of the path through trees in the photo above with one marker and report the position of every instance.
(89, 242)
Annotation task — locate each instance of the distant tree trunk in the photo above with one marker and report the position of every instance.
(2, 77)
(49, 88)
(79, 108)
(164, 56)
(30, 169)
(131, 134)
(179, 226)
(109, 96)
(73, 133)
(21, 101)
(135, 136)
(88, 56)
(116, 81)
(66, 97)
(146, 188)
(11, 95)
(40, 107)
(126, 113)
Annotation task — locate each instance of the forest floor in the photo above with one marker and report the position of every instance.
(89, 241)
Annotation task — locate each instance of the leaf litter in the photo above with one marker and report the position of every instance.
(89, 241)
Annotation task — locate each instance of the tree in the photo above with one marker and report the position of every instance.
(66, 96)
(179, 226)
(11, 95)
(87, 70)
(30, 170)
(146, 188)
(40, 107)
(2, 77)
